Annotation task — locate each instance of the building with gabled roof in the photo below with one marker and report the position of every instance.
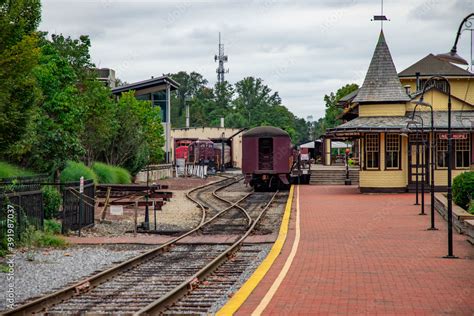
(375, 118)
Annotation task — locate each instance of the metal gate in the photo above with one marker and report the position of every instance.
(77, 214)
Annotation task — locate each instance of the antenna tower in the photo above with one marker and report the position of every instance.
(221, 58)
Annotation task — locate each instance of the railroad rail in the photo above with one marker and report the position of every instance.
(168, 272)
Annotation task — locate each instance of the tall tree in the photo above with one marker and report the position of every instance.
(189, 85)
(18, 56)
(253, 99)
(332, 110)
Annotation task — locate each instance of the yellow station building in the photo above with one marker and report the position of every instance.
(376, 118)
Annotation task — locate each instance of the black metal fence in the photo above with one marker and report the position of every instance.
(21, 198)
(77, 214)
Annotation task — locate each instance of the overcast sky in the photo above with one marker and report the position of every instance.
(303, 49)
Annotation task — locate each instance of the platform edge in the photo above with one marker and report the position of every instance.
(234, 303)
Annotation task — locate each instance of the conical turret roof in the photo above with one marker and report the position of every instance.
(381, 83)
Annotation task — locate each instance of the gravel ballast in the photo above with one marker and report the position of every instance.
(42, 271)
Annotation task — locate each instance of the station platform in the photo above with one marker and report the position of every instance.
(348, 253)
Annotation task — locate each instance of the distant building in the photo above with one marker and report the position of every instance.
(107, 76)
(376, 117)
(157, 91)
(231, 136)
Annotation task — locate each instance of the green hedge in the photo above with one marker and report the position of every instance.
(111, 174)
(463, 189)
(75, 170)
(8, 170)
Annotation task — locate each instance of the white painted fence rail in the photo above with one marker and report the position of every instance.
(155, 173)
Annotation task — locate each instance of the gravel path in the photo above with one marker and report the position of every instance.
(42, 271)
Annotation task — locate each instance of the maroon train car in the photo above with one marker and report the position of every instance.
(266, 157)
(201, 152)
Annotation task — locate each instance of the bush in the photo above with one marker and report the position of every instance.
(463, 189)
(75, 170)
(123, 176)
(52, 226)
(51, 202)
(104, 172)
(111, 174)
(8, 170)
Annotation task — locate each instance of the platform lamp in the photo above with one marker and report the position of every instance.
(347, 181)
(411, 122)
(449, 158)
(431, 160)
(452, 55)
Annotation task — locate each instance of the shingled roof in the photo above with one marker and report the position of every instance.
(432, 66)
(381, 83)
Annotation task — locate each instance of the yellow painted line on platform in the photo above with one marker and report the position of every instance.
(243, 293)
(281, 276)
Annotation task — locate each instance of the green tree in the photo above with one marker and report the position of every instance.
(18, 56)
(61, 114)
(330, 119)
(100, 121)
(254, 99)
(189, 85)
(138, 137)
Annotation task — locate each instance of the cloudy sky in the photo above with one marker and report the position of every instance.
(303, 49)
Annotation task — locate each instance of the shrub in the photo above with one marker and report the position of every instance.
(471, 207)
(8, 170)
(51, 202)
(463, 189)
(104, 172)
(111, 174)
(75, 170)
(52, 226)
(123, 176)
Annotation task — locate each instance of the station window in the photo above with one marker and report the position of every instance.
(372, 151)
(441, 153)
(463, 152)
(392, 151)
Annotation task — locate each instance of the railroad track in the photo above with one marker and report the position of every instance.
(171, 278)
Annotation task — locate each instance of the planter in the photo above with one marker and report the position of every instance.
(460, 216)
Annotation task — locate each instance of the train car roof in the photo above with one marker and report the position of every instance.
(265, 131)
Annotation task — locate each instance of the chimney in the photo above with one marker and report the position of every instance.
(222, 122)
(417, 81)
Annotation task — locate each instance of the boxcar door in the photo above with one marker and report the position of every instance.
(265, 153)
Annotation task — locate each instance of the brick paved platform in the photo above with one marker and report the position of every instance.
(161, 239)
(368, 254)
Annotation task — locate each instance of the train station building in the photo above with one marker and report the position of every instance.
(378, 119)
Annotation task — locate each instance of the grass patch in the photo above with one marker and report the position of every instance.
(75, 170)
(109, 174)
(4, 268)
(8, 170)
(42, 239)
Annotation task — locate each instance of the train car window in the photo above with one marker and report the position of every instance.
(265, 153)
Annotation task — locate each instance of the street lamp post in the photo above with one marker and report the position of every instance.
(452, 56)
(431, 160)
(423, 158)
(449, 159)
